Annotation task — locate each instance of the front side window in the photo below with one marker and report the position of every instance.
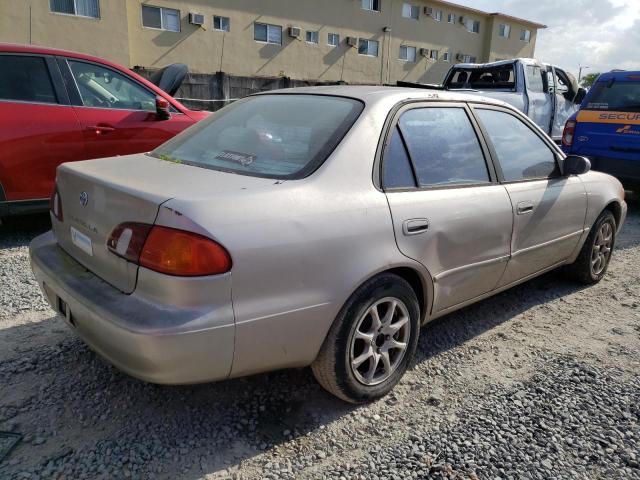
(333, 39)
(263, 32)
(525, 35)
(504, 30)
(410, 11)
(161, 18)
(221, 23)
(407, 53)
(25, 79)
(443, 146)
(522, 154)
(274, 136)
(81, 8)
(373, 5)
(102, 87)
(312, 37)
(534, 78)
(368, 47)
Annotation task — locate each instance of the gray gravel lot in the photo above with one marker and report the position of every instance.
(541, 382)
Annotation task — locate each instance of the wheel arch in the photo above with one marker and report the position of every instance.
(616, 208)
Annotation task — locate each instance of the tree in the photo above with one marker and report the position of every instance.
(589, 79)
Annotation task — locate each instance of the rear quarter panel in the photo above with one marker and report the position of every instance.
(602, 190)
(299, 250)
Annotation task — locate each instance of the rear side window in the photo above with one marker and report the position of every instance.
(25, 79)
(443, 146)
(397, 172)
(620, 96)
(274, 136)
(522, 154)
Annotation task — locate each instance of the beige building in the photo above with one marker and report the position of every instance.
(356, 41)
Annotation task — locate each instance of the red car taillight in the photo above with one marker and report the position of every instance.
(168, 250)
(55, 204)
(567, 134)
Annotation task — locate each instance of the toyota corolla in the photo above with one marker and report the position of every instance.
(318, 226)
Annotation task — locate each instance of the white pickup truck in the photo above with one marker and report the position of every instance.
(545, 93)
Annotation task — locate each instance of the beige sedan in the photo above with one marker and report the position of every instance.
(318, 226)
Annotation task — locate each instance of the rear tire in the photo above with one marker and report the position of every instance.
(593, 261)
(371, 342)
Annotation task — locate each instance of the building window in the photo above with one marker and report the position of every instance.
(504, 30)
(407, 53)
(451, 18)
(525, 35)
(433, 55)
(373, 5)
(446, 57)
(312, 37)
(81, 8)
(473, 26)
(263, 32)
(333, 39)
(368, 47)
(437, 15)
(410, 11)
(468, 59)
(221, 23)
(161, 18)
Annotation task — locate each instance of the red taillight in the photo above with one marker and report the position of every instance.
(567, 134)
(55, 204)
(168, 250)
(127, 240)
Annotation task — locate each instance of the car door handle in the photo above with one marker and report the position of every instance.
(415, 226)
(524, 207)
(101, 129)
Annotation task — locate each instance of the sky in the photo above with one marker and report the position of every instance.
(600, 34)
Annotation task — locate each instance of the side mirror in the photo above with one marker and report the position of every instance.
(162, 108)
(582, 92)
(576, 165)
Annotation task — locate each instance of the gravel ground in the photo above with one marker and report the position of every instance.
(538, 382)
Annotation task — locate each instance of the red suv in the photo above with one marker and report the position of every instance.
(58, 106)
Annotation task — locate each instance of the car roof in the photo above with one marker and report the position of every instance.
(374, 94)
(619, 75)
(18, 48)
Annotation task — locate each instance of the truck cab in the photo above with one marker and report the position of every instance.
(545, 93)
(606, 129)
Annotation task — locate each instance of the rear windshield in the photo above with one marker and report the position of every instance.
(619, 96)
(501, 77)
(284, 136)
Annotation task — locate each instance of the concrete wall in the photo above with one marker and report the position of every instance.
(31, 22)
(120, 36)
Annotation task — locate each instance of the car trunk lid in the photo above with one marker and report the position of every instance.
(98, 195)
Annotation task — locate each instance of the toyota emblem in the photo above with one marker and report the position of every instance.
(84, 199)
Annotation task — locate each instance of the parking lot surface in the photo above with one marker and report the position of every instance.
(542, 381)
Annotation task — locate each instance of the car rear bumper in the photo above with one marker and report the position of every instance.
(627, 171)
(155, 342)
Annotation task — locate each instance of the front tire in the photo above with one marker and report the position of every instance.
(593, 261)
(372, 341)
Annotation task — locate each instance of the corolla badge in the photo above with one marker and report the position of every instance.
(84, 199)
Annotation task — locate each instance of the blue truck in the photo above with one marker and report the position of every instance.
(606, 128)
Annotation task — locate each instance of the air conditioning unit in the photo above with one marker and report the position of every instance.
(294, 32)
(352, 41)
(428, 11)
(424, 52)
(459, 57)
(462, 19)
(196, 19)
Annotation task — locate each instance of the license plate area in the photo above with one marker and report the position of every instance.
(82, 241)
